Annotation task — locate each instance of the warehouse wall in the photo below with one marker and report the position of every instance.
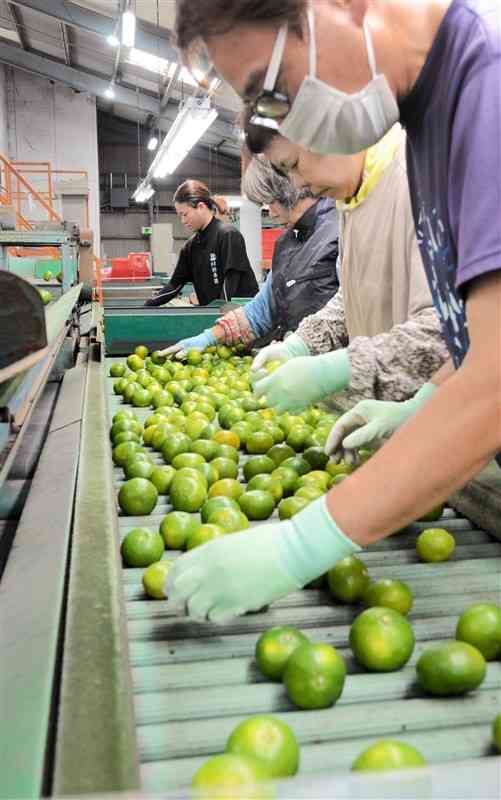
(121, 232)
(3, 113)
(50, 122)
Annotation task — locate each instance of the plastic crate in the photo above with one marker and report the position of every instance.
(133, 268)
(269, 238)
(141, 262)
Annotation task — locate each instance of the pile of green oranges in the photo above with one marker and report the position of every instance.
(225, 460)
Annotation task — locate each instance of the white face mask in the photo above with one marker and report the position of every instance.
(325, 120)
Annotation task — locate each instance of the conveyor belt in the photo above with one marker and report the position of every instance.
(194, 683)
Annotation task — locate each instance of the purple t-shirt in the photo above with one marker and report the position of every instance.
(453, 122)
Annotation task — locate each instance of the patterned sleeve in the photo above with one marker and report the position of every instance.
(394, 365)
(326, 330)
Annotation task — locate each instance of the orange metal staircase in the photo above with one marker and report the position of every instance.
(16, 189)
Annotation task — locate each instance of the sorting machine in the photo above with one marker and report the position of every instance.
(64, 237)
(103, 690)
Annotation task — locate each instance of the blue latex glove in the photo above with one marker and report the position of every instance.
(370, 423)
(200, 342)
(246, 571)
(305, 380)
(292, 347)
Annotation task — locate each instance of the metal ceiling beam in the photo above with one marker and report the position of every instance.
(65, 35)
(79, 17)
(14, 13)
(164, 99)
(93, 84)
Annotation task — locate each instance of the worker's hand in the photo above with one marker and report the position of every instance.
(181, 348)
(305, 380)
(370, 423)
(292, 347)
(247, 571)
(227, 577)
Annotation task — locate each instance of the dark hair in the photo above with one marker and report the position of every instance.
(205, 18)
(193, 193)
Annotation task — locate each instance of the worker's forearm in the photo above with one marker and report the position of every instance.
(444, 373)
(448, 442)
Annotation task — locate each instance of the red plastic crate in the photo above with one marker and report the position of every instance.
(140, 261)
(134, 268)
(119, 263)
(269, 238)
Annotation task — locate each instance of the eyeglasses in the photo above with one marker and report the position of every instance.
(271, 105)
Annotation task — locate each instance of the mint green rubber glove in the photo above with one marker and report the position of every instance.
(371, 422)
(292, 347)
(247, 571)
(305, 380)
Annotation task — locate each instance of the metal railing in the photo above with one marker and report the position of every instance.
(48, 176)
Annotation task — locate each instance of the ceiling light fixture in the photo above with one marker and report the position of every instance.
(153, 143)
(128, 28)
(144, 192)
(194, 118)
(148, 61)
(113, 40)
(110, 92)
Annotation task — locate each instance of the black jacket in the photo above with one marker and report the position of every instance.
(304, 266)
(215, 261)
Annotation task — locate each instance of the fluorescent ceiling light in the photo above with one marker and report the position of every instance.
(7, 33)
(161, 66)
(113, 40)
(144, 192)
(128, 28)
(193, 120)
(153, 143)
(148, 61)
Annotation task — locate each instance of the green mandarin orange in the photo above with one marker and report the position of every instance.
(141, 547)
(275, 647)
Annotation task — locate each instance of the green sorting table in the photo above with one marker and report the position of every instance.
(194, 683)
(128, 323)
